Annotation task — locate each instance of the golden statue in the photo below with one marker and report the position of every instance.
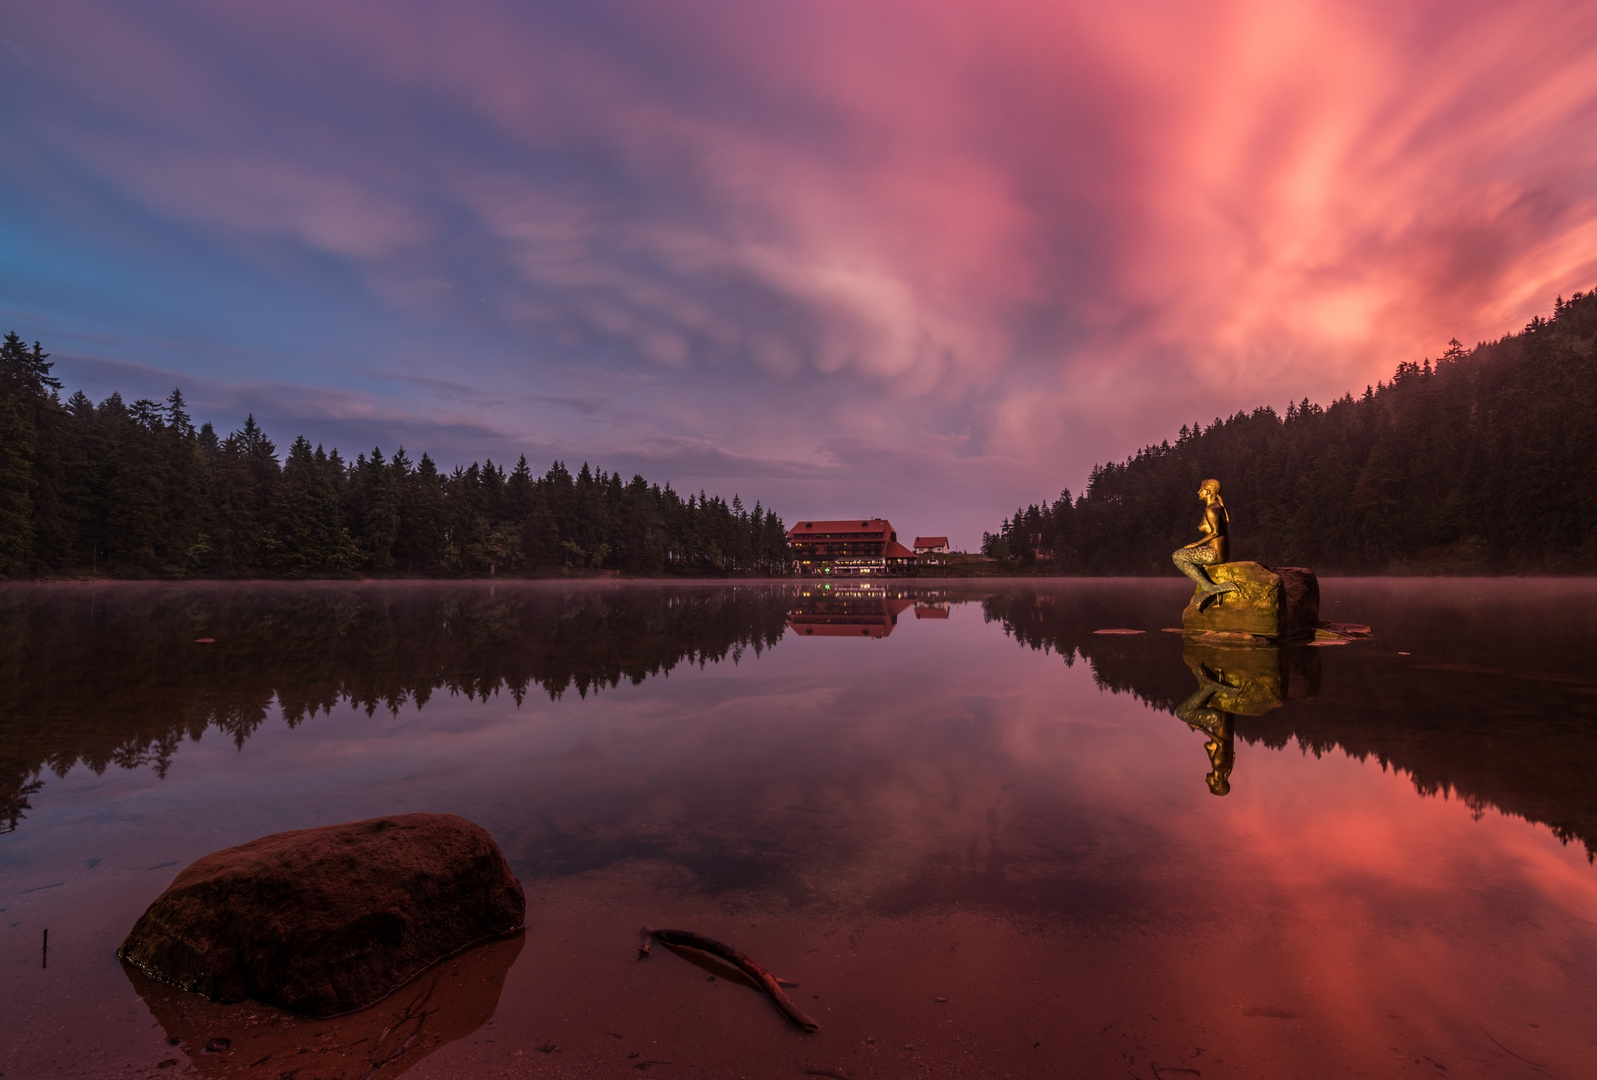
(1212, 548)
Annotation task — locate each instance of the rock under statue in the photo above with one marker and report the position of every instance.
(1212, 549)
(1244, 603)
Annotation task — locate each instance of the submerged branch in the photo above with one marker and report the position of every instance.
(742, 961)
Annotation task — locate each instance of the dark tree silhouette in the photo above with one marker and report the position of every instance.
(138, 491)
(1478, 462)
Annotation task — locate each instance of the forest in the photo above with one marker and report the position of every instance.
(138, 491)
(1478, 462)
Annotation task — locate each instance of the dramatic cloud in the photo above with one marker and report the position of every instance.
(917, 258)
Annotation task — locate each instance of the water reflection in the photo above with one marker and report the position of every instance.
(1199, 713)
(849, 610)
(1496, 710)
(1478, 690)
(1245, 682)
(444, 1004)
(937, 812)
(122, 675)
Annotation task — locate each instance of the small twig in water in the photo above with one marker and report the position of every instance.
(743, 962)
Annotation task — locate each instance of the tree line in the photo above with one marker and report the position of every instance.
(1477, 462)
(139, 491)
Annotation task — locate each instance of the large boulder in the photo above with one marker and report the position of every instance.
(1280, 603)
(324, 921)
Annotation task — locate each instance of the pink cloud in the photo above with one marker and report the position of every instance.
(1054, 231)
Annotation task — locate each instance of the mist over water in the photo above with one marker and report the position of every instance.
(900, 794)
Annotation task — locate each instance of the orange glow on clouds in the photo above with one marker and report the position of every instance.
(1017, 238)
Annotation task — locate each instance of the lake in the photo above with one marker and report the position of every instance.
(984, 838)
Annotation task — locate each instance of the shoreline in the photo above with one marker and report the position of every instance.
(620, 576)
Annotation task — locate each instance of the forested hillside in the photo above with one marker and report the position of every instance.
(1483, 461)
(139, 491)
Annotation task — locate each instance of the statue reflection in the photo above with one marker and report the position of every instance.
(858, 611)
(1236, 682)
(446, 1003)
(1200, 715)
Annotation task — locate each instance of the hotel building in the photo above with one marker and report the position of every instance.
(853, 548)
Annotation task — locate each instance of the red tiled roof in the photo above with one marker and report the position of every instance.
(895, 550)
(931, 541)
(853, 525)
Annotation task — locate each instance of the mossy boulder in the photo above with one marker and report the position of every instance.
(328, 920)
(1276, 603)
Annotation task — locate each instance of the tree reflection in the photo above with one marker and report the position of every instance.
(1494, 705)
(116, 676)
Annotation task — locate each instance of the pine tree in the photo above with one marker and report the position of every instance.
(28, 407)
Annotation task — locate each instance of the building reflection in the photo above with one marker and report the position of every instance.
(1236, 682)
(849, 610)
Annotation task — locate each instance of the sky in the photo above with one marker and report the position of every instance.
(925, 259)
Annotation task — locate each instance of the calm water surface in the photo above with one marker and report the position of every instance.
(985, 839)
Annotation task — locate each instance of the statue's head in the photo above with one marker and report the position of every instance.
(1210, 489)
(1219, 783)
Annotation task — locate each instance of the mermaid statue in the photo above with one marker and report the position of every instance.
(1211, 549)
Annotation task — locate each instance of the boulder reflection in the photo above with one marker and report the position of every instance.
(448, 1002)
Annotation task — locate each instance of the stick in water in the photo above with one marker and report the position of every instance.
(743, 962)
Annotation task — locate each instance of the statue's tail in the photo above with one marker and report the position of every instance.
(1213, 592)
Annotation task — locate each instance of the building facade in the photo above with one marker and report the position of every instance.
(851, 548)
